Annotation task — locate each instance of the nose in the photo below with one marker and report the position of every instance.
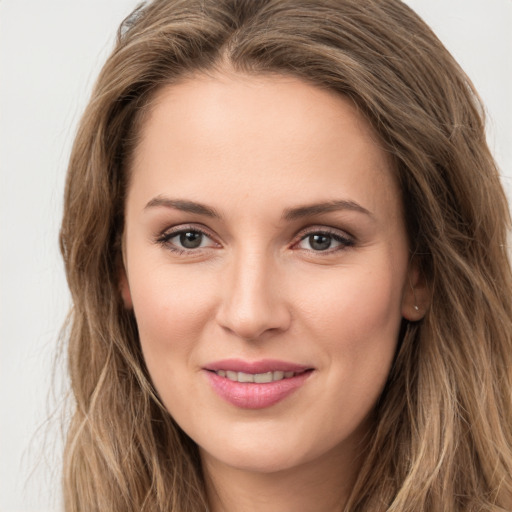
(253, 303)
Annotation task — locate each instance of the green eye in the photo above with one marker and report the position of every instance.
(186, 239)
(320, 242)
(190, 239)
(323, 241)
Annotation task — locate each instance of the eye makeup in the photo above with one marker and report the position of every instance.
(185, 239)
(321, 239)
(192, 239)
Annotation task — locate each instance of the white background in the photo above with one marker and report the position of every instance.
(50, 53)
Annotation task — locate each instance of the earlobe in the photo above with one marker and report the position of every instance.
(122, 277)
(124, 289)
(415, 299)
(124, 285)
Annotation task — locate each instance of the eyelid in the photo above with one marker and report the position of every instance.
(346, 239)
(164, 236)
(341, 236)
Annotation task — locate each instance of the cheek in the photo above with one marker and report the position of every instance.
(171, 309)
(357, 302)
(356, 325)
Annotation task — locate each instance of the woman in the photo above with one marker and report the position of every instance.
(285, 239)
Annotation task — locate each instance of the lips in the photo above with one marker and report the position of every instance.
(262, 366)
(255, 384)
(258, 378)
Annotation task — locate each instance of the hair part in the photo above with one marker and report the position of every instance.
(443, 437)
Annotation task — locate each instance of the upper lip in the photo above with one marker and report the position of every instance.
(261, 366)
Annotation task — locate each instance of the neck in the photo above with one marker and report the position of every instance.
(322, 486)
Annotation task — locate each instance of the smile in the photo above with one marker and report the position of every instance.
(258, 378)
(256, 384)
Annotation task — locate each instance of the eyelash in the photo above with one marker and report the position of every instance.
(345, 241)
(165, 239)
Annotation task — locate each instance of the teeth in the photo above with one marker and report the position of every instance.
(259, 378)
(245, 377)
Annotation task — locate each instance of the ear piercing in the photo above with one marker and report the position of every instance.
(416, 308)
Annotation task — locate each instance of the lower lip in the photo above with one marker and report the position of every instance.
(249, 395)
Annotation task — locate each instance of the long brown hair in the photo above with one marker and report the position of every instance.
(443, 435)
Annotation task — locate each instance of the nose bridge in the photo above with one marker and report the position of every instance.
(252, 302)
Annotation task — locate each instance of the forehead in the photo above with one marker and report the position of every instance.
(276, 137)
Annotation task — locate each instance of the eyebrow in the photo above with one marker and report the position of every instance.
(320, 208)
(183, 205)
(289, 214)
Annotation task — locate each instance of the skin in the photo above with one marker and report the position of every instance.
(252, 149)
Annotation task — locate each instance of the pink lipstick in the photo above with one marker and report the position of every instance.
(255, 384)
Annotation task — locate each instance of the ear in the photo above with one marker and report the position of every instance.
(124, 288)
(122, 279)
(415, 298)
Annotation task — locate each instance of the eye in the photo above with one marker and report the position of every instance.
(324, 241)
(186, 239)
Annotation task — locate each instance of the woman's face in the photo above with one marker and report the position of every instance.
(267, 265)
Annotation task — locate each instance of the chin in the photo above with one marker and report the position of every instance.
(255, 459)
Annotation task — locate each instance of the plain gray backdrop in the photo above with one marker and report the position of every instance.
(50, 54)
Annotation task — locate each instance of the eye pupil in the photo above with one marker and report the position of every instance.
(320, 242)
(191, 239)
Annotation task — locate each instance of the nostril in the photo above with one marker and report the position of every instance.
(253, 321)
(252, 304)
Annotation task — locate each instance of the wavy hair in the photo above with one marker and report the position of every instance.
(443, 425)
